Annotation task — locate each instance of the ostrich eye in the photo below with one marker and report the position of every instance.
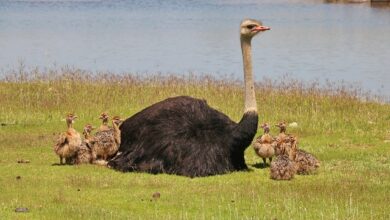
(250, 26)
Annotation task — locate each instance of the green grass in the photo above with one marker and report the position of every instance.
(342, 126)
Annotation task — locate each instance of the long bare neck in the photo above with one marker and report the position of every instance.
(247, 127)
(250, 98)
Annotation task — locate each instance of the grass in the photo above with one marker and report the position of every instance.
(344, 127)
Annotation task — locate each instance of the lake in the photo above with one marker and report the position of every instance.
(309, 40)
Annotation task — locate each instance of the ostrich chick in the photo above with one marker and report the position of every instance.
(104, 126)
(68, 142)
(284, 167)
(306, 162)
(84, 152)
(283, 139)
(106, 142)
(264, 145)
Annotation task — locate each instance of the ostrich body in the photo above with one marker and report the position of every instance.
(264, 145)
(106, 142)
(68, 142)
(185, 136)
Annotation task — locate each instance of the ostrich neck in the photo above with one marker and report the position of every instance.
(250, 99)
(247, 127)
(71, 131)
(104, 126)
(117, 132)
(87, 135)
(115, 126)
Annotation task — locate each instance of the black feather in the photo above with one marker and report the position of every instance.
(184, 136)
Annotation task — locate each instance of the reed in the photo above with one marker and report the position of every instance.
(345, 127)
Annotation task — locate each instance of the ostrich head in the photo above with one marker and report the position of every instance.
(70, 118)
(250, 27)
(117, 120)
(265, 126)
(282, 125)
(87, 129)
(104, 116)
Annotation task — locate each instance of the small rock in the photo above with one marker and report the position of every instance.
(23, 161)
(156, 195)
(21, 209)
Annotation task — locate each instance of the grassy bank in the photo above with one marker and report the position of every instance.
(347, 131)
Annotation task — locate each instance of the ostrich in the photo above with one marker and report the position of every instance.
(104, 117)
(88, 138)
(264, 145)
(68, 142)
(284, 166)
(282, 139)
(282, 126)
(106, 142)
(84, 152)
(306, 162)
(185, 136)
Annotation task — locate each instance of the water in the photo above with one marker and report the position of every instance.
(309, 40)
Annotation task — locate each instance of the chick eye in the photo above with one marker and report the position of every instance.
(251, 26)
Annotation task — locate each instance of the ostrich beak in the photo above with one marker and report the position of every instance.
(261, 28)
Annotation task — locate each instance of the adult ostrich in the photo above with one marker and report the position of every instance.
(185, 136)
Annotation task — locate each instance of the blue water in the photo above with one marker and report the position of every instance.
(310, 40)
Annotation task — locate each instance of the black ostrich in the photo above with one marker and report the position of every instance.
(185, 136)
